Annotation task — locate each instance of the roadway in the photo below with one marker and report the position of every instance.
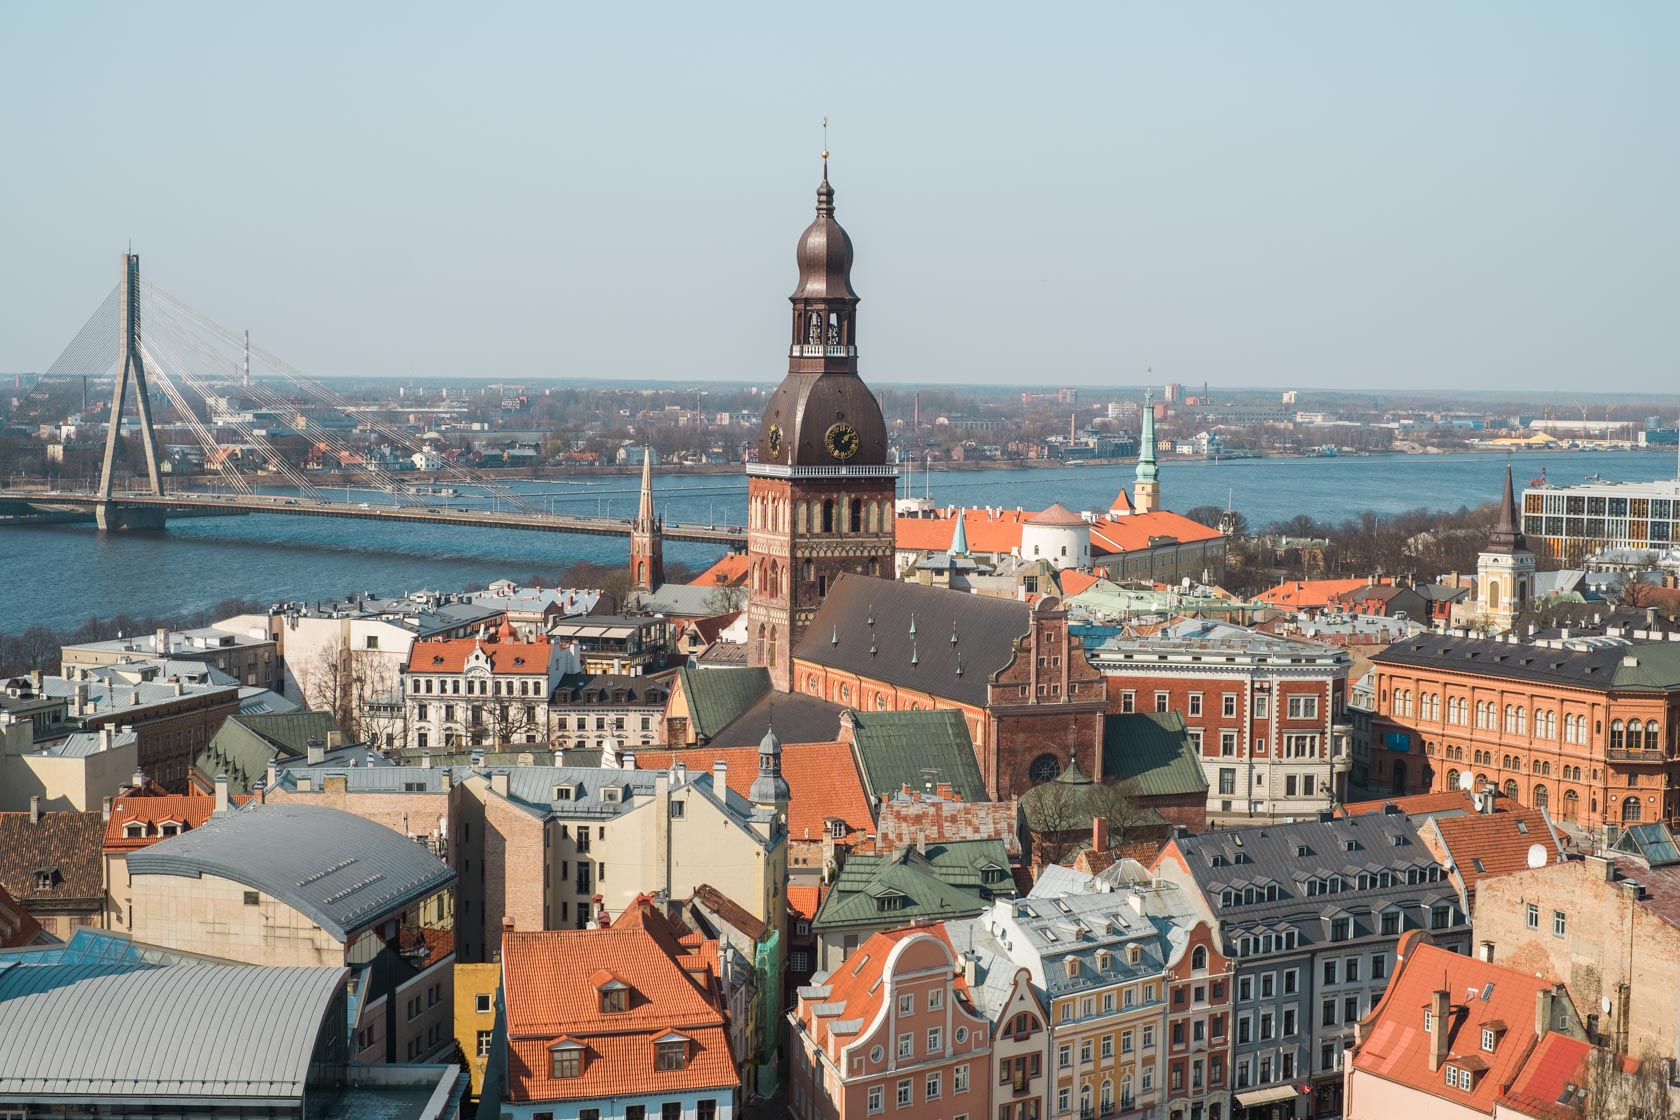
(79, 504)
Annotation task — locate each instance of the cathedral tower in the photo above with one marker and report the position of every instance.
(820, 497)
(647, 535)
(1505, 568)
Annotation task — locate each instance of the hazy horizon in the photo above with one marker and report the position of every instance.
(1383, 200)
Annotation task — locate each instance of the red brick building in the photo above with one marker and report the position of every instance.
(1198, 991)
(1261, 711)
(1022, 682)
(1585, 729)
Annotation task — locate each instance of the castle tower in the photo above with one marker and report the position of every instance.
(647, 536)
(1146, 491)
(1505, 568)
(820, 496)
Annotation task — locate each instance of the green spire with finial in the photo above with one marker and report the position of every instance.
(1146, 468)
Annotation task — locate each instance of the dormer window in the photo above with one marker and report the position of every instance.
(892, 900)
(566, 1060)
(612, 794)
(1134, 954)
(671, 1052)
(1489, 1039)
(46, 878)
(134, 830)
(615, 998)
(991, 875)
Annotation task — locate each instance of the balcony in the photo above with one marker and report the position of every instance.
(821, 351)
(1649, 758)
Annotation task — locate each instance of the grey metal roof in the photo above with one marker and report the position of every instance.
(381, 777)
(185, 1031)
(342, 871)
(1602, 664)
(534, 786)
(861, 614)
(81, 744)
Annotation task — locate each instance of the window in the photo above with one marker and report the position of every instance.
(1161, 699)
(1228, 705)
(567, 1062)
(1390, 923)
(1350, 1009)
(252, 898)
(903, 1093)
(1245, 989)
(1329, 972)
(907, 1004)
(671, 1055)
(1533, 916)
(1379, 966)
(906, 1045)
(1148, 1037)
(1487, 1039)
(1227, 781)
(1195, 703)
(1227, 744)
(930, 1091)
(1559, 923)
(1350, 970)
(959, 1079)
(874, 1099)
(935, 1040)
(936, 1000)
(1440, 917)
(589, 1114)
(637, 1111)
(1327, 1016)
(614, 1000)
(1291, 978)
(484, 1038)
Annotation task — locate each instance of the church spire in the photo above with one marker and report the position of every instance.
(1507, 533)
(647, 535)
(1146, 494)
(959, 536)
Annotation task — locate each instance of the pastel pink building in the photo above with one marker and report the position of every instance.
(891, 1032)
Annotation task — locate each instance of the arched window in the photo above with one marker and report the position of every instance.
(758, 648)
(1616, 735)
(1107, 1097)
(828, 515)
(770, 653)
(1044, 768)
(807, 571)
(1542, 799)
(1452, 779)
(1630, 809)
(857, 515)
(874, 517)
(1652, 737)
(1511, 788)
(1199, 958)
(799, 519)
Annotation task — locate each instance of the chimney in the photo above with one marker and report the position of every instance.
(35, 808)
(720, 776)
(507, 924)
(1543, 1011)
(1438, 1011)
(1099, 834)
(79, 702)
(425, 760)
(559, 756)
(105, 810)
(499, 782)
(139, 778)
(273, 779)
(221, 795)
(446, 780)
(317, 751)
(160, 642)
(921, 841)
(335, 739)
(175, 685)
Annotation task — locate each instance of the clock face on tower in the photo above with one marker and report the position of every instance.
(775, 441)
(841, 441)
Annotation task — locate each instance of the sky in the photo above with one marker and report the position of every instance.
(1352, 195)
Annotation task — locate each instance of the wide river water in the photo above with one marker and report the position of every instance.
(61, 575)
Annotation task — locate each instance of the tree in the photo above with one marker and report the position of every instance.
(350, 682)
(725, 599)
(1647, 1092)
(1116, 803)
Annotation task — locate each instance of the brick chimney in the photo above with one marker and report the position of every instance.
(34, 808)
(1099, 834)
(1438, 1011)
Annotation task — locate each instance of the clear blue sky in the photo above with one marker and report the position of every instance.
(1422, 195)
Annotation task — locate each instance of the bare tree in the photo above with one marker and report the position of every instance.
(1057, 817)
(1647, 1090)
(351, 683)
(724, 599)
(1117, 804)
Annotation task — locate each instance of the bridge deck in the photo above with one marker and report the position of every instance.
(209, 504)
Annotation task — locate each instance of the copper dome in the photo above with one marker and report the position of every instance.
(825, 254)
(806, 406)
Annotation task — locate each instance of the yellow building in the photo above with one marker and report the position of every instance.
(475, 1015)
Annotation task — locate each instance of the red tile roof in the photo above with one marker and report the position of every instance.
(506, 658)
(1074, 581)
(1490, 844)
(987, 531)
(1396, 1047)
(1139, 530)
(1122, 503)
(804, 901)
(549, 979)
(730, 571)
(17, 926)
(188, 810)
(1308, 594)
(822, 780)
(1426, 804)
(1558, 1062)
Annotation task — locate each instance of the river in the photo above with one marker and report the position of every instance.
(60, 575)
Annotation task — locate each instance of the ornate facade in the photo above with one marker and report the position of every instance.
(820, 496)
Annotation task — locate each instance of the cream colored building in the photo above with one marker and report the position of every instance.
(305, 885)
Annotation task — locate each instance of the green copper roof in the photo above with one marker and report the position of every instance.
(717, 697)
(947, 882)
(1151, 753)
(897, 749)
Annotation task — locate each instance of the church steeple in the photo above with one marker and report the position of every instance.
(1505, 568)
(1507, 535)
(647, 535)
(1146, 493)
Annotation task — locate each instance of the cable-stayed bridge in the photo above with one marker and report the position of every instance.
(188, 357)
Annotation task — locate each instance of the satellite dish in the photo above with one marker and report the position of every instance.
(1537, 855)
(1604, 1004)
(1466, 781)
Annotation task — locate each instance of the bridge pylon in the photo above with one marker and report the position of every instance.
(131, 365)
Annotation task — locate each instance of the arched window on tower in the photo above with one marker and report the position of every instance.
(857, 515)
(828, 515)
(807, 571)
(758, 647)
(771, 655)
(799, 519)
(874, 517)
(814, 335)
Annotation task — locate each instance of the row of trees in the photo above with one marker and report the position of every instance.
(38, 647)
